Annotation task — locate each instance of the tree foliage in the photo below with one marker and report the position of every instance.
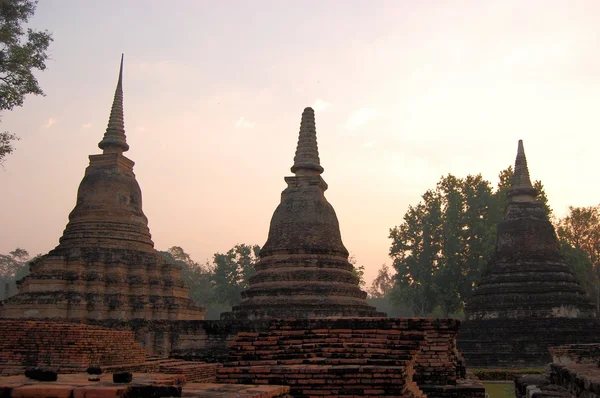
(383, 283)
(21, 52)
(217, 285)
(233, 271)
(13, 266)
(579, 235)
(443, 243)
(358, 270)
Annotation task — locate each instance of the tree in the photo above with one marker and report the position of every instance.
(232, 272)
(21, 52)
(579, 235)
(442, 246)
(383, 284)
(358, 271)
(198, 277)
(13, 265)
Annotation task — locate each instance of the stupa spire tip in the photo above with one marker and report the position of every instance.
(306, 161)
(114, 140)
(521, 186)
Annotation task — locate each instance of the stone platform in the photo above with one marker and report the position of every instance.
(412, 357)
(142, 386)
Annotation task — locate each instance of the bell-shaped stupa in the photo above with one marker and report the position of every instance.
(303, 270)
(527, 299)
(105, 266)
(527, 275)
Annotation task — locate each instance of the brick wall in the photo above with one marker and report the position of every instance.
(65, 345)
(350, 356)
(521, 343)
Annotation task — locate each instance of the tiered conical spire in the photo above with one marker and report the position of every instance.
(521, 189)
(303, 270)
(114, 139)
(105, 266)
(306, 161)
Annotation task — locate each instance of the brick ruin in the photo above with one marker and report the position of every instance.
(353, 357)
(70, 347)
(528, 297)
(105, 266)
(303, 269)
(574, 372)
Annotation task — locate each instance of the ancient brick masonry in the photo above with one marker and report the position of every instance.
(105, 266)
(527, 286)
(69, 346)
(303, 269)
(574, 372)
(352, 356)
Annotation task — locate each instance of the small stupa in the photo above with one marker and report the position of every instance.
(527, 276)
(303, 270)
(105, 266)
(527, 299)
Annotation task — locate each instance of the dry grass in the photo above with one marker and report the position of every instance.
(499, 390)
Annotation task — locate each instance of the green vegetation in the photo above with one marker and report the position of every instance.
(217, 285)
(13, 266)
(21, 52)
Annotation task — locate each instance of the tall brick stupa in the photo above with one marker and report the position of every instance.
(528, 297)
(105, 266)
(303, 271)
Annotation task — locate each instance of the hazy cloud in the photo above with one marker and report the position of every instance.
(140, 129)
(321, 105)
(86, 125)
(243, 123)
(49, 123)
(359, 118)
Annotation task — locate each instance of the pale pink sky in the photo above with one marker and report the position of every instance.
(404, 91)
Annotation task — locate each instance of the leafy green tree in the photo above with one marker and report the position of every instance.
(12, 267)
(383, 284)
(21, 52)
(232, 272)
(416, 244)
(358, 270)
(198, 277)
(579, 235)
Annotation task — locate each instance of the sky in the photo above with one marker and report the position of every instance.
(404, 93)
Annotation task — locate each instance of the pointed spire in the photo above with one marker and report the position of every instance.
(306, 161)
(521, 189)
(114, 140)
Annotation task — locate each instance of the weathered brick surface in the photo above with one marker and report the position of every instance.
(579, 380)
(575, 353)
(198, 372)
(350, 356)
(142, 386)
(523, 342)
(65, 345)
